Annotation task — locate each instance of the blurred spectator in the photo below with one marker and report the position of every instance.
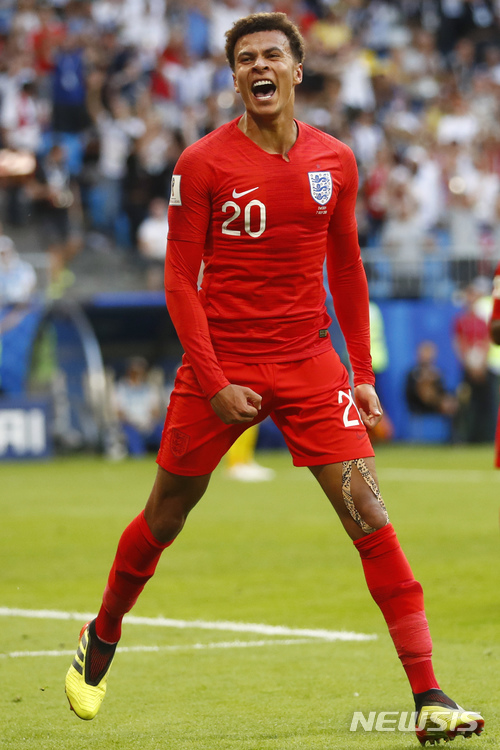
(22, 117)
(457, 18)
(25, 17)
(191, 82)
(384, 431)
(125, 67)
(17, 285)
(426, 185)
(459, 124)
(56, 203)
(155, 152)
(197, 27)
(136, 192)
(376, 191)
(421, 66)
(473, 196)
(472, 342)
(367, 138)
(45, 40)
(378, 343)
(17, 276)
(402, 124)
(139, 408)
(223, 14)
(425, 389)
(483, 98)
(149, 170)
(458, 179)
(462, 63)
(108, 13)
(329, 33)
(69, 96)
(117, 129)
(485, 191)
(404, 238)
(145, 26)
(356, 91)
(486, 308)
(152, 242)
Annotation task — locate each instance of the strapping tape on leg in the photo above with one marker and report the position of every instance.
(347, 495)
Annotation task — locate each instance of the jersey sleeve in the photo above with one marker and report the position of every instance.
(189, 218)
(346, 275)
(343, 219)
(190, 199)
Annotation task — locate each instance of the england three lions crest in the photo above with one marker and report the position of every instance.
(321, 186)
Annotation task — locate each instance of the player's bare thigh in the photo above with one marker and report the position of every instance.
(172, 498)
(367, 505)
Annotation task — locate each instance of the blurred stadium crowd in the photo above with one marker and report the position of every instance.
(105, 94)
(98, 98)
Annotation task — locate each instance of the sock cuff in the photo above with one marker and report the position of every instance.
(148, 534)
(386, 537)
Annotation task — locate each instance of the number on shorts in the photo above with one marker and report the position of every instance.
(350, 403)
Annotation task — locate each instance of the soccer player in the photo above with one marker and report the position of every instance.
(495, 337)
(261, 201)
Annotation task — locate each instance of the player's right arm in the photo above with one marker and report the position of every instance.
(189, 218)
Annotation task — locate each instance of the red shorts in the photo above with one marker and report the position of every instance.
(309, 400)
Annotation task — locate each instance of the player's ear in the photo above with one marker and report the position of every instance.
(235, 84)
(298, 73)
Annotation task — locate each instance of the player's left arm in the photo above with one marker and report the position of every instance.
(349, 288)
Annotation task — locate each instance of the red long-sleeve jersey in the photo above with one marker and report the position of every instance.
(262, 226)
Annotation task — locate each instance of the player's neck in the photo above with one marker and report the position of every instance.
(273, 136)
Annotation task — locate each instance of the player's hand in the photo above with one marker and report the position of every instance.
(368, 404)
(236, 403)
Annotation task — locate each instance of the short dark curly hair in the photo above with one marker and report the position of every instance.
(265, 22)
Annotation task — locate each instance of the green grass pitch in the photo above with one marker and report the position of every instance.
(271, 554)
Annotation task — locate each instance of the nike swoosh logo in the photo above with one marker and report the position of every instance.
(245, 192)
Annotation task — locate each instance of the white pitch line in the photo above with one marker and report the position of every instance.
(156, 649)
(163, 622)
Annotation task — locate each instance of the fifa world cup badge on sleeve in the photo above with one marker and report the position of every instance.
(321, 186)
(175, 192)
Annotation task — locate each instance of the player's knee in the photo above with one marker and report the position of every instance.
(171, 500)
(166, 515)
(373, 514)
(165, 526)
(362, 496)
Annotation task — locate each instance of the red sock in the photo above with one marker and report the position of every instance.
(400, 597)
(135, 562)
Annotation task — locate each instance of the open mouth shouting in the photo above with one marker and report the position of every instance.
(263, 89)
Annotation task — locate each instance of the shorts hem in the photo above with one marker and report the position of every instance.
(324, 460)
(184, 472)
